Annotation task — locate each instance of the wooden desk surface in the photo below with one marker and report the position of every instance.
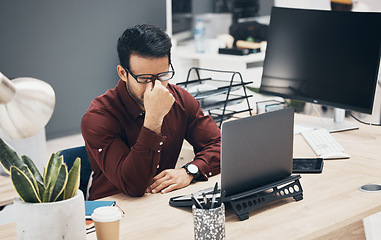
(332, 207)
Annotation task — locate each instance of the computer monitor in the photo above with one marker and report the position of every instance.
(325, 57)
(180, 19)
(250, 10)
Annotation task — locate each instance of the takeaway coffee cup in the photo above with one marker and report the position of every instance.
(106, 222)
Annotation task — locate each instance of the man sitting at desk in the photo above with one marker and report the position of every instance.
(134, 132)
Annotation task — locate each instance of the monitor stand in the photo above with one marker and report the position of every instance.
(336, 124)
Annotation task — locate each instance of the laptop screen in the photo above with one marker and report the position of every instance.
(256, 150)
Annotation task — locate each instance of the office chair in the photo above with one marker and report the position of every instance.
(69, 156)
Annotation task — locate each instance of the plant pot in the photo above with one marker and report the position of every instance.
(56, 220)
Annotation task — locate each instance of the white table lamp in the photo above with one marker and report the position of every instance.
(26, 105)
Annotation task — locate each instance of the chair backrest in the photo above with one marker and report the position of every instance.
(69, 156)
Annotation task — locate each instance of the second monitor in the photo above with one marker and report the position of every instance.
(324, 57)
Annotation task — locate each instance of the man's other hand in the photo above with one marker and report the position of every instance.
(169, 180)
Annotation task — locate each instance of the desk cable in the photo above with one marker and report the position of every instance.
(366, 123)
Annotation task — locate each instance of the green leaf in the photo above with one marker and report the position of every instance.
(25, 169)
(41, 189)
(51, 175)
(60, 197)
(8, 157)
(23, 185)
(52, 170)
(73, 182)
(32, 168)
(60, 184)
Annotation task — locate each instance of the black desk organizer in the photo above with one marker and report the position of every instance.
(243, 203)
(216, 101)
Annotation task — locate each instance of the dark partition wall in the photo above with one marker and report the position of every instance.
(71, 45)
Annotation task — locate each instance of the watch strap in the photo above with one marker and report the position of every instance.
(195, 175)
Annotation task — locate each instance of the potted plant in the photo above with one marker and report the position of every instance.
(50, 205)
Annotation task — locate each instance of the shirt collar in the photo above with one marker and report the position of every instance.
(129, 103)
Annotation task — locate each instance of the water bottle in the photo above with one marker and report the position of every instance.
(199, 36)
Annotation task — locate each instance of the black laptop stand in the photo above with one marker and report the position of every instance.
(245, 202)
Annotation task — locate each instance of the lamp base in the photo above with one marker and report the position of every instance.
(33, 147)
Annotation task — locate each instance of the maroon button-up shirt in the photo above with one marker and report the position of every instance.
(125, 156)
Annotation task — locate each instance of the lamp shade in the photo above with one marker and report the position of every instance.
(26, 106)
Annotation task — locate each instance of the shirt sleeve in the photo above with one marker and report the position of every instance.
(205, 137)
(103, 138)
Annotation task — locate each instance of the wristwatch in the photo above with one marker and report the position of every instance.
(192, 170)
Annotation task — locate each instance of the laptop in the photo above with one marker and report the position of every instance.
(255, 151)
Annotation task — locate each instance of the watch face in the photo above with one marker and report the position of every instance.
(193, 169)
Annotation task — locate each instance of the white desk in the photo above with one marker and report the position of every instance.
(184, 57)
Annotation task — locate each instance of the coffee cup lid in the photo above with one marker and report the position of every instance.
(106, 214)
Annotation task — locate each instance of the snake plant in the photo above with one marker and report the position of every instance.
(55, 185)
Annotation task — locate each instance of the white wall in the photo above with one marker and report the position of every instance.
(374, 5)
(364, 5)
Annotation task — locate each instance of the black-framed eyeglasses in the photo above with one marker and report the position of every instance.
(147, 78)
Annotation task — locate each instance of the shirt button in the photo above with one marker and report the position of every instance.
(158, 166)
(158, 151)
(210, 174)
(161, 143)
(100, 150)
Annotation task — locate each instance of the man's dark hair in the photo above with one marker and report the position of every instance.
(144, 40)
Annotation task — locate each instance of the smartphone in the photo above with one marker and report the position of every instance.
(307, 165)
